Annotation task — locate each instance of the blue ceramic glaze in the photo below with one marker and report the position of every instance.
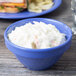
(39, 59)
(27, 14)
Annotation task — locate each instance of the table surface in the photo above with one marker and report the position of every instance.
(10, 66)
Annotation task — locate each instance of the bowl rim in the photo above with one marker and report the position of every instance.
(37, 50)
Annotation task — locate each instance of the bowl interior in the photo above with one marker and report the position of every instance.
(60, 26)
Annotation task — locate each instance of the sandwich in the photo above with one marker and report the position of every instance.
(13, 6)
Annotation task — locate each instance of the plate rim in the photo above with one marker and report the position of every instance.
(39, 14)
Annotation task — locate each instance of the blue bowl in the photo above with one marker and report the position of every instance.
(39, 59)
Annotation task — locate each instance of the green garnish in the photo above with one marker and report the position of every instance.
(27, 3)
(1, 7)
(19, 8)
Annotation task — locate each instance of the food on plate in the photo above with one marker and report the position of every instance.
(13, 6)
(36, 36)
(40, 5)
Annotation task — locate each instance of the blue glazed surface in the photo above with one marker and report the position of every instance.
(39, 59)
(27, 14)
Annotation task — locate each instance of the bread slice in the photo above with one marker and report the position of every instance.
(9, 10)
(12, 1)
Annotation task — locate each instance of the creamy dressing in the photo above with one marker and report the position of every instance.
(37, 36)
